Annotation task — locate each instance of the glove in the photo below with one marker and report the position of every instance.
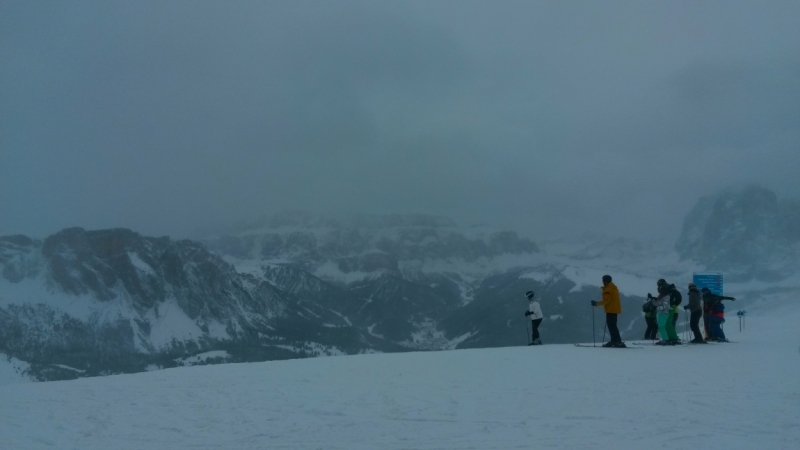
(594, 303)
(528, 313)
(649, 296)
(686, 307)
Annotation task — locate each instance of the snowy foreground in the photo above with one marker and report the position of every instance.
(742, 395)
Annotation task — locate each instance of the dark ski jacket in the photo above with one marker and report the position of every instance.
(694, 300)
(675, 298)
(649, 307)
(713, 304)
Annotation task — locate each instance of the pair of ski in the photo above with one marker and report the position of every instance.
(654, 344)
(685, 343)
(600, 346)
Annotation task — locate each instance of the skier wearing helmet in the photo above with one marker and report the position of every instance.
(535, 313)
(613, 308)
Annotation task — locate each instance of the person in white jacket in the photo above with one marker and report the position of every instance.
(535, 313)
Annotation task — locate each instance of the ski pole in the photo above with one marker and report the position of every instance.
(593, 333)
(604, 332)
(685, 326)
(527, 331)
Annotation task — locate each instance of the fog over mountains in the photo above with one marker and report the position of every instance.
(745, 231)
(85, 303)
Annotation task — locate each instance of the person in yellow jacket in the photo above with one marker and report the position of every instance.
(613, 308)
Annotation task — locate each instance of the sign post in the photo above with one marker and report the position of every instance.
(741, 315)
(710, 280)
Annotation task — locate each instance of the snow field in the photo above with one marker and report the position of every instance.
(729, 396)
(12, 371)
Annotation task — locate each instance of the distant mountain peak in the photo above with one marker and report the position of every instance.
(745, 230)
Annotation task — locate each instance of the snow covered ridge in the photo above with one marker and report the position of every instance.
(83, 303)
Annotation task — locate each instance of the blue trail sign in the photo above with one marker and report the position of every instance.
(711, 280)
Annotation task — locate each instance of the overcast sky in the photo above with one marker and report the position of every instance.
(550, 118)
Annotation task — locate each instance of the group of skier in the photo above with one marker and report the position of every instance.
(661, 314)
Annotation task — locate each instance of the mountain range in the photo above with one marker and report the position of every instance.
(85, 303)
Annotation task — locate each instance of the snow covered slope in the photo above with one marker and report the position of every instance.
(12, 370)
(742, 395)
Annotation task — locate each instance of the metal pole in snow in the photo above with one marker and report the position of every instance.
(527, 331)
(593, 332)
(685, 325)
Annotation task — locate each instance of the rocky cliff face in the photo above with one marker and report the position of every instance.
(109, 264)
(746, 232)
(92, 302)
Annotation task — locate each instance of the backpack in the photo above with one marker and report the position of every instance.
(648, 307)
(675, 298)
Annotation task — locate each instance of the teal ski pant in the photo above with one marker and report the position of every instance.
(670, 325)
(662, 326)
(665, 326)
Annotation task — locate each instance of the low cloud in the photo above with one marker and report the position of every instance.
(548, 119)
